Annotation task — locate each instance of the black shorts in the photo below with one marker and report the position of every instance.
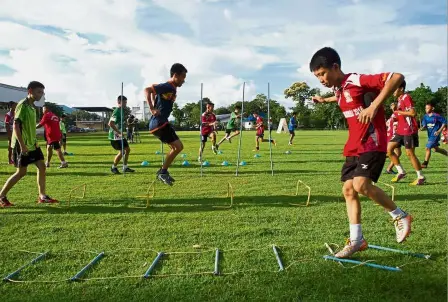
(21, 160)
(368, 165)
(55, 145)
(228, 131)
(261, 135)
(204, 137)
(166, 134)
(64, 137)
(116, 144)
(292, 132)
(408, 141)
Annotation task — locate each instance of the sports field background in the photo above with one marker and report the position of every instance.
(111, 219)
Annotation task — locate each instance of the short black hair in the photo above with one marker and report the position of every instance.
(121, 97)
(63, 115)
(210, 103)
(237, 107)
(324, 58)
(177, 68)
(403, 85)
(294, 113)
(35, 84)
(430, 104)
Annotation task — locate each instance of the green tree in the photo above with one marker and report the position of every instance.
(421, 95)
(178, 115)
(440, 100)
(300, 92)
(222, 110)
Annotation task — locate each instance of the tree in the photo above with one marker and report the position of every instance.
(222, 110)
(421, 96)
(54, 108)
(178, 115)
(440, 100)
(300, 92)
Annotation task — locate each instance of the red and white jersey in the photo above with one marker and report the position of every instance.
(259, 125)
(407, 125)
(9, 119)
(357, 92)
(206, 119)
(391, 125)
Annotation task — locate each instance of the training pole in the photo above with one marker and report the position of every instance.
(269, 128)
(122, 143)
(241, 132)
(200, 130)
(15, 273)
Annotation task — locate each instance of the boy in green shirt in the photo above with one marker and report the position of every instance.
(24, 143)
(64, 134)
(231, 126)
(116, 138)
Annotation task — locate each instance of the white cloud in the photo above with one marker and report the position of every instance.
(226, 45)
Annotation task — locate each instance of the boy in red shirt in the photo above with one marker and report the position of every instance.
(260, 132)
(360, 98)
(208, 122)
(53, 135)
(407, 135)
(391, 125)
(9, 123)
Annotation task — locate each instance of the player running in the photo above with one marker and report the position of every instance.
(160, 98)
(53, 135)
(231, 126)
(292, 125)
(360, 98)
(435, 125)
(391, 125)
(407, 135)
(208, 121)
(260, 132)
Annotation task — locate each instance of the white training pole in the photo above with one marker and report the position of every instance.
(241, 132)
(200, 130)
(269, 128)
(122, 144)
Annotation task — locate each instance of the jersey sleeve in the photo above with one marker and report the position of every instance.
(19, 113)
(424, 123)
(203, 118)
(7, 119)
(408, 103)
(114, 116)
(374, 81)
(44, 120)
(157, 88)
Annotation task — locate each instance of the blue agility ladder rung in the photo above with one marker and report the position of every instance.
(153, 265)
(279, 260)
(15, 273)
(388, 268)
(82, 272)
(216, 271)
(382, 248)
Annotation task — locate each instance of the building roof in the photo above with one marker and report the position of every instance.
(10, 93)
(95, 109)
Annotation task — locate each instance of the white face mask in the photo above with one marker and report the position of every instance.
(40, 102)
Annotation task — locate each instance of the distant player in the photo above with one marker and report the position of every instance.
(259, 137)
(445, 136)
(292, 125)
(435, 124)
(391, 125)
(9, 123)
(53, 135)
(160, 98)
(25, 148)
(64, 134)
(406, 135)
(360, 98)
(130, 128)
(117, 141)
(208, 121)
(231, 126)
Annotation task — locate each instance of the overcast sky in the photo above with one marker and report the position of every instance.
(83, 49)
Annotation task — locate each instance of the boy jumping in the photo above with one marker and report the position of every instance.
(360, 98)
(160, 98)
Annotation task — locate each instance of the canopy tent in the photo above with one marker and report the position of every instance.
(10, 93)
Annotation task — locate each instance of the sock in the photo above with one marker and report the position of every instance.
(397, 212)
(355, 232)
(419, 174)
(63, 162)
(163, 171)
(125, 167)
(114, 167)
(399, 169)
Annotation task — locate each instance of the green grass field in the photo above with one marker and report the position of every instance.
(112, 218)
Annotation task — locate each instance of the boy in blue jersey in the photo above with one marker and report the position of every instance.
(291, 126)
(160, 98)
(435, 124)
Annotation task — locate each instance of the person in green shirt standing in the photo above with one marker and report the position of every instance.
(24, 144)
(231, 126)
(116, 138)
(64, 134)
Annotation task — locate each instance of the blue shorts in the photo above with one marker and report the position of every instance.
(433, 142)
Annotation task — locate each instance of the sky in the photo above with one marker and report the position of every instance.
(82, 50)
